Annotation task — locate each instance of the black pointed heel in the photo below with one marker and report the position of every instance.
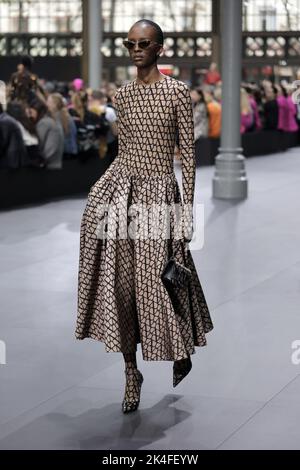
(181, 368)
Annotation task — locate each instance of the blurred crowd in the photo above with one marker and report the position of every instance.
(43, 123)
(264, 106)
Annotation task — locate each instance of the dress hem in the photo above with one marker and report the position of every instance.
(145, 358)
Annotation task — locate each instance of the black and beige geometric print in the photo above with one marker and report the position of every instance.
(122, 300)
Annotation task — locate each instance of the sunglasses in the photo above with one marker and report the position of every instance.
(143, 43)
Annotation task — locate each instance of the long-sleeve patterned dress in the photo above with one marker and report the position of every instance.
(122, 299)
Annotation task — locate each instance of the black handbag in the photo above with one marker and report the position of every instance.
(175, 274)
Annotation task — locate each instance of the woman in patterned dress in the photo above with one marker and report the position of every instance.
(122, 300)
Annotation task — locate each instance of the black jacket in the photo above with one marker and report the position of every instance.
(271, 115)
(12, 149)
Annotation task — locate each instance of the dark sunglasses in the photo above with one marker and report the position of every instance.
(143, 43)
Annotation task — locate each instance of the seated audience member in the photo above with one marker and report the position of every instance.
(200, 113)
(283, 108)
(49, 132)
(59, 111)
(90, 126)
(12, 148)
(258, 95)
(214, 116)
(254, 98)
(247, 114)
(271, 108)
(29, 135)
(98, 104)
(292, 124)
(212, 76)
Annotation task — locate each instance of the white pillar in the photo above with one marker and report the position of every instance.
(230, 180)
(94, 43)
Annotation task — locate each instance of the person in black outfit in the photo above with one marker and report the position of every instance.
(271, 109)
(29, 134)
(12, 149)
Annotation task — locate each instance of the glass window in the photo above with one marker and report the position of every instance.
(50, 16)
(171, 15)
(268, 15)
(38, 16)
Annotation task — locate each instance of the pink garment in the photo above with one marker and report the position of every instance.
(283, 113)
(254, 107)
(246, 122)
(292, 125)
(78, 84)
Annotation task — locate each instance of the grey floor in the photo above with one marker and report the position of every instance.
(243, 391)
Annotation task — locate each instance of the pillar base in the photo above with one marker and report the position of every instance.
(230, 180)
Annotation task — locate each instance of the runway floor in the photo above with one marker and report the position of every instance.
(243, 391)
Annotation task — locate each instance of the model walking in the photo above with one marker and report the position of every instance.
(122, 300)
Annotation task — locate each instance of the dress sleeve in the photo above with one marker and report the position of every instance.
(120, 109)
(185, 125)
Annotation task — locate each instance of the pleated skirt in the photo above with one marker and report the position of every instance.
(122, 300)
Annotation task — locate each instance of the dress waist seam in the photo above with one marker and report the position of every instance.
(123, 169)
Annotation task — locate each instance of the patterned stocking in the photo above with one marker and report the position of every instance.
(130, 361)
(134, 380)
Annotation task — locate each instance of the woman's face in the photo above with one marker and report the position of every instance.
(143, 58)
